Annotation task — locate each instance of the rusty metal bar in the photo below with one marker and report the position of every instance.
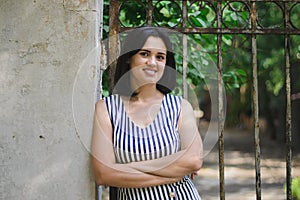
(220, 117)
(114, 24)
(220, 104)
(288, 109)
(184, 52)
(184, 13)
(184, 66)
(265, 31)
(255, 104)
(288, 121)
(150, 13)
(256, 119)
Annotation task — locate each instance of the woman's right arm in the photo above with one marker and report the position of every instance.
(106, 170)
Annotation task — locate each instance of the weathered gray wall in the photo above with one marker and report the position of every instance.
(42, 45)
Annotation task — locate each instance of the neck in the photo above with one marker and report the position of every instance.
(147, 92)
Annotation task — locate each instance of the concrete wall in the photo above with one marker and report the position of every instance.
(42, 46)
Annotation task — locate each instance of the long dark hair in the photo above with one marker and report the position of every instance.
(133, 42)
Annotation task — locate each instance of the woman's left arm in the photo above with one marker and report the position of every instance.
(188, 160)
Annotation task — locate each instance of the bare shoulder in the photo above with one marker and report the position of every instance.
(186, 113)
(101, 109)
(102, 118)
(186, 106)
(187, 121)
(100, 105)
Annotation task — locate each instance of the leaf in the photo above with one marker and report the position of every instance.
(165, 12)
(195, 21)
(205, 62)
(204, 11)
(241, 72)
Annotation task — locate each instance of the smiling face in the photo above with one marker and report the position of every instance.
(148, 64)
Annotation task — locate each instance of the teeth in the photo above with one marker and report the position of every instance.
(150, 71)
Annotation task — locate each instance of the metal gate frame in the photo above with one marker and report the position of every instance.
(252, 30)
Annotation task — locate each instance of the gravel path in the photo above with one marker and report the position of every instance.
(240, 169)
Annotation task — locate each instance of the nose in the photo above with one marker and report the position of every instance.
(151, 60)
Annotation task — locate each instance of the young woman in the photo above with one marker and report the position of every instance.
(145, 140)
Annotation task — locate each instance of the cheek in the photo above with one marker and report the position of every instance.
(161, 71)
(136, 61)
(132, 64)
(162, 68)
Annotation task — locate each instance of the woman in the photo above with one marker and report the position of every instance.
(145, 140)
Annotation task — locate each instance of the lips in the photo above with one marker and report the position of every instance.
(150, 71)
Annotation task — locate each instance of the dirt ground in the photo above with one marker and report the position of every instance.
(240, 169)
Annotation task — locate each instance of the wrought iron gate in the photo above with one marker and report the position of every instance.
(253, 25)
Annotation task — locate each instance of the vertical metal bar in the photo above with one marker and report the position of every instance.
(184, 14)
(220, 124)
(288, 109)
(255, 103)
(98, 192)
(113, 193)
(185, 52)
(288, 121)
(150, 13)
(114, 23)
(220, 104)
(184, 66)
(256, 119)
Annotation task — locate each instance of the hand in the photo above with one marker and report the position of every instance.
(193, 175)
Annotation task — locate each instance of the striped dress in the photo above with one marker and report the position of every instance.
(160, 138)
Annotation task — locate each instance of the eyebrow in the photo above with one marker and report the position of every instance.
(150, 51)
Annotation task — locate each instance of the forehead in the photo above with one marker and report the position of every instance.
(155, 43)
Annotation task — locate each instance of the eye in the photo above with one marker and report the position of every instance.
(160, 57)
(144, 53)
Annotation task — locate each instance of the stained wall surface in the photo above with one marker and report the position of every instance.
(43, 44)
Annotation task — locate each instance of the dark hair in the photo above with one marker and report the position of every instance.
(133, 42)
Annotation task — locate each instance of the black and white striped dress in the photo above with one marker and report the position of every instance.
(160, 138)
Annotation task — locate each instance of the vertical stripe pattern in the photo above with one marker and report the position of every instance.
(160, 138)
